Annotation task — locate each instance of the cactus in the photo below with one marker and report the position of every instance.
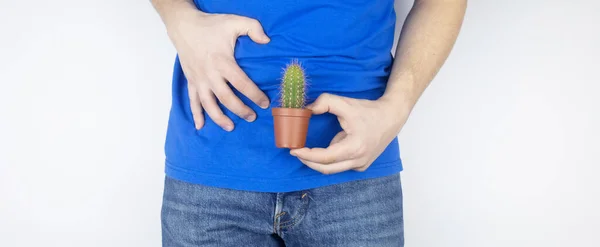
(293, 86)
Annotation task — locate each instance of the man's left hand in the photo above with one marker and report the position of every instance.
(368, 128)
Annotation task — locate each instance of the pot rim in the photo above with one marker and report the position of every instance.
(291, 112)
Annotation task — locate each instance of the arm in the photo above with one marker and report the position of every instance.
(427, 37)
(205, 44)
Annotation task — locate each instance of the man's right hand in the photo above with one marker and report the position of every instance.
(205, 45)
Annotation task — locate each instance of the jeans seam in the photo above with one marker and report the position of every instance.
(278, 207)
(299, 216)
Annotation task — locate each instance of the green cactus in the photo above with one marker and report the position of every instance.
(293, 86)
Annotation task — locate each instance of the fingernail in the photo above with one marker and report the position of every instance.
(264, 104)
(293, 153)
(197, 127)
(250, 117)
(228, 127)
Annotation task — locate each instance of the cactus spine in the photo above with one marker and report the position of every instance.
(293, 86)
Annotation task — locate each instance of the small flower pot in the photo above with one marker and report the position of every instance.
(291, 127)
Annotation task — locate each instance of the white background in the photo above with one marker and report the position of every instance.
(502, 149)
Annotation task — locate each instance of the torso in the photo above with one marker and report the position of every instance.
(344, 46)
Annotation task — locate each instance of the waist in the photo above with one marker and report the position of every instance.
(323, 74)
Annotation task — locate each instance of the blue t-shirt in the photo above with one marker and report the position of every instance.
(345, 48)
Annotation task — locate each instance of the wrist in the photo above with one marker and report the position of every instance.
(396, 102)
(401, 94)
(394, 111)
(174, 12)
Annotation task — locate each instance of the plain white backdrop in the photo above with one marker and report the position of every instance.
(503, 149)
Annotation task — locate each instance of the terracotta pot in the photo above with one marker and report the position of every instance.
(291, 126)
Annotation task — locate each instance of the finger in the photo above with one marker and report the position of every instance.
(340, 151)
(238, 79)
(362, 168)
(232, 102)
(329, 103)
(252, 28)
(332, 168)
(196, 107)
(209, 104)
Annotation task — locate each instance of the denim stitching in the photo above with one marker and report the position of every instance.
(299, 216)
(275, 222)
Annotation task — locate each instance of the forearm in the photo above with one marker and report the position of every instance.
(171, 11)
(426, 39)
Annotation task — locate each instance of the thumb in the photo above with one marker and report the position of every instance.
(253, 29)
(327, 103)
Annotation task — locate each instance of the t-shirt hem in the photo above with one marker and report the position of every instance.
(280, 185)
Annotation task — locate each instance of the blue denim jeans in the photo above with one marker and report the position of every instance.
(358, 213)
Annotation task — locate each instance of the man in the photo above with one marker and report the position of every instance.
(228, 185)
